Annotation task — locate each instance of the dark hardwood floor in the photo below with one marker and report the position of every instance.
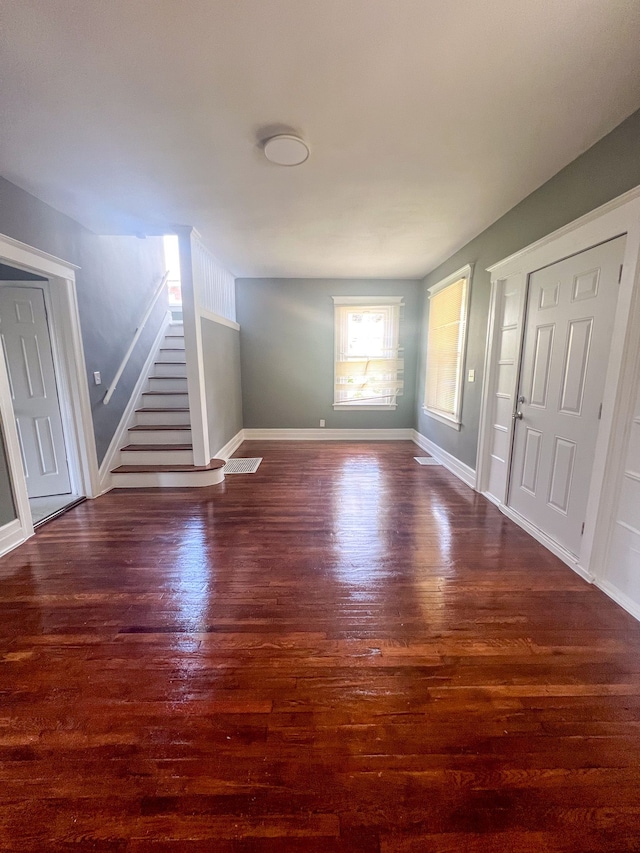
(342, 653)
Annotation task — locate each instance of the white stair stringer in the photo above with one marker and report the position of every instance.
(158, 450)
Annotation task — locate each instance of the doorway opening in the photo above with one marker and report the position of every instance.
(32, 371)
(55, 281)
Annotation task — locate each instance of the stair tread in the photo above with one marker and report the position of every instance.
(164, 393)
(163, 409)
(161, 469)
(155, 427)
(153, 447)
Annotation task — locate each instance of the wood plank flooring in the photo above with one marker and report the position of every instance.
(345, 652)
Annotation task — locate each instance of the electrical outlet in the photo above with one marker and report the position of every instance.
(322, 422)
(472, 376)
(97, 378)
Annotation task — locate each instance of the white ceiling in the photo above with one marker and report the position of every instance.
(427, 119)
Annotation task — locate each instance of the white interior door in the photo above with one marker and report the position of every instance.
(569, 322)
(27, 350)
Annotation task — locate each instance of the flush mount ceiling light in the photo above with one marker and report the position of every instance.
(286, 150)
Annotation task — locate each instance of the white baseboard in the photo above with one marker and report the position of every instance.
(230, 447)
(328, 434)
(549, 543)
(12, 535)
(462, 471)
(619, 597)
(109, 461)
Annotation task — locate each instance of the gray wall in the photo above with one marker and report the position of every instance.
(221, 357)
(287, 352)
(606, 170)
(114, 283)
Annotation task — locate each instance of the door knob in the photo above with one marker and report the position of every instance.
(517, 416)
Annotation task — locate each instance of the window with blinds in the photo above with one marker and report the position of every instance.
(368, 360)
(445, 347)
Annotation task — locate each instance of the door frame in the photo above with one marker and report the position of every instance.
(71, 377)
(617, 217)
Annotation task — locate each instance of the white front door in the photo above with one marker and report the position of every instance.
(27, 351)
(569, 322)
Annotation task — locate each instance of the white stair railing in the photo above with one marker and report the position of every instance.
(136, 337)
(214, 287)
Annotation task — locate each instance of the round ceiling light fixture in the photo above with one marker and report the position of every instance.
(286, 150)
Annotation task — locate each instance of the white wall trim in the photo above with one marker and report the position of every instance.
(128, 415)
(550, 544)
(231, 446)
(464, 472)
(12, 535)
(328, 434)
(66, 338)
(497, 270)
(205, 314)
(193, 351)
(619, 597)
(24, 255)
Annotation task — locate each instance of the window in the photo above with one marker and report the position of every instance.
(446, 339)
(368, 366)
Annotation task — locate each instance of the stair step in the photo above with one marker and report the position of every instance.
(158, 427)
(176, 476)
(161, 434)
(170, 368)
(163, 417)
(167, 399)
(157, 454)
(144, 447)
(167, 383)
(171, 356)
(214, 465)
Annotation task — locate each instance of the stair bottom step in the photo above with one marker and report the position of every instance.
(157, 447)
(214, 465)
(168, 476)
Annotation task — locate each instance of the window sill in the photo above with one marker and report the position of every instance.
(441, 418)
(351, 407)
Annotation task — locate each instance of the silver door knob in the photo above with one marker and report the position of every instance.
(518, 416)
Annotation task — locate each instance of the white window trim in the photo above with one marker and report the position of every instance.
(437, 416)
(466, 271)
(371, 302)
(354, 407)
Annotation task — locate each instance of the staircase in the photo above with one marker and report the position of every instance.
(159, 451)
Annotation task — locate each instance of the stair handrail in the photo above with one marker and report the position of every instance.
(138, 332)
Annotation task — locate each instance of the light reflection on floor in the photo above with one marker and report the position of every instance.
(359, 523)
(194, 572)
